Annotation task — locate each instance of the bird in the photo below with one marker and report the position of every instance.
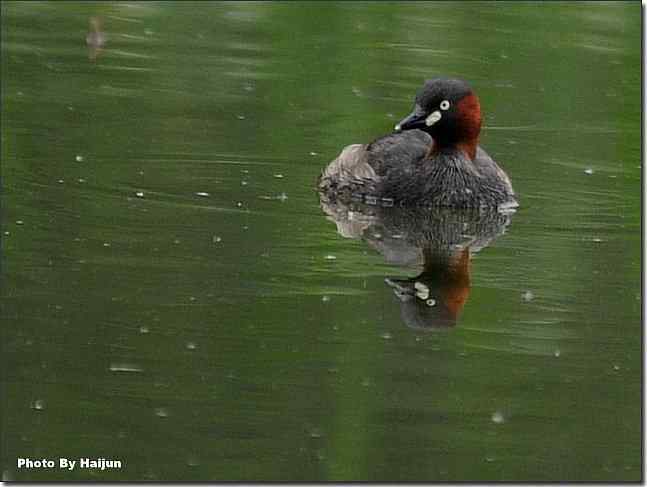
(432, 158)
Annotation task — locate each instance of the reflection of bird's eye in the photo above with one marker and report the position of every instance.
(444, 105)
(431, 302)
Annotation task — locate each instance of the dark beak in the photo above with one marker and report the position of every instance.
(413, 121)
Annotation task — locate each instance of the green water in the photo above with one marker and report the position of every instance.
(175, 298)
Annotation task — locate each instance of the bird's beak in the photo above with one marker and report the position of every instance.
(418, 120)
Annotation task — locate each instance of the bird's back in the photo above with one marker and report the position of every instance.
(360, 168)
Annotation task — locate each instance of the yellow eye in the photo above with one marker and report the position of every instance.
(444, 105)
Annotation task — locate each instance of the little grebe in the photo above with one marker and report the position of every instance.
(432, 159)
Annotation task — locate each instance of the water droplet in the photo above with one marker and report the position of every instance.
(61, 181)
(161, 412)
(588, 171)
(325, 299)
(597, 240)
(243, 183)
(19, 222)
(216, 239)
(79, 158)
(386, 336)
(125, 367)
(278, 176)
(316, 433)
(81, 180)
(139, 194)
(202, 194)
(239, 204)
(38, 405)
(616, 367)
(143, 330)
(177, 241)
(498, 418)
(557, 353)
(314, 153)
(330, 257)
(192, 298)
(106, 244)
(527, 296)
(191, 346)
(240, 117)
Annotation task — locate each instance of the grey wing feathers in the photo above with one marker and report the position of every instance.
(350, 169)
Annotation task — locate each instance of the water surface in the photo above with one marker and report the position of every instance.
(175, 297)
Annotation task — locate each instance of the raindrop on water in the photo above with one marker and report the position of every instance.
(161, 412)
(527, 296)
(125, 367)
(38, 405)
(498, 418)
(316, 433)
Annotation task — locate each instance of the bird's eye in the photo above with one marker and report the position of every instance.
(444, 105)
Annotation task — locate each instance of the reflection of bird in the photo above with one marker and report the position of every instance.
(95, 39)
(433, 158)
(441, 240)
(435, 298)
